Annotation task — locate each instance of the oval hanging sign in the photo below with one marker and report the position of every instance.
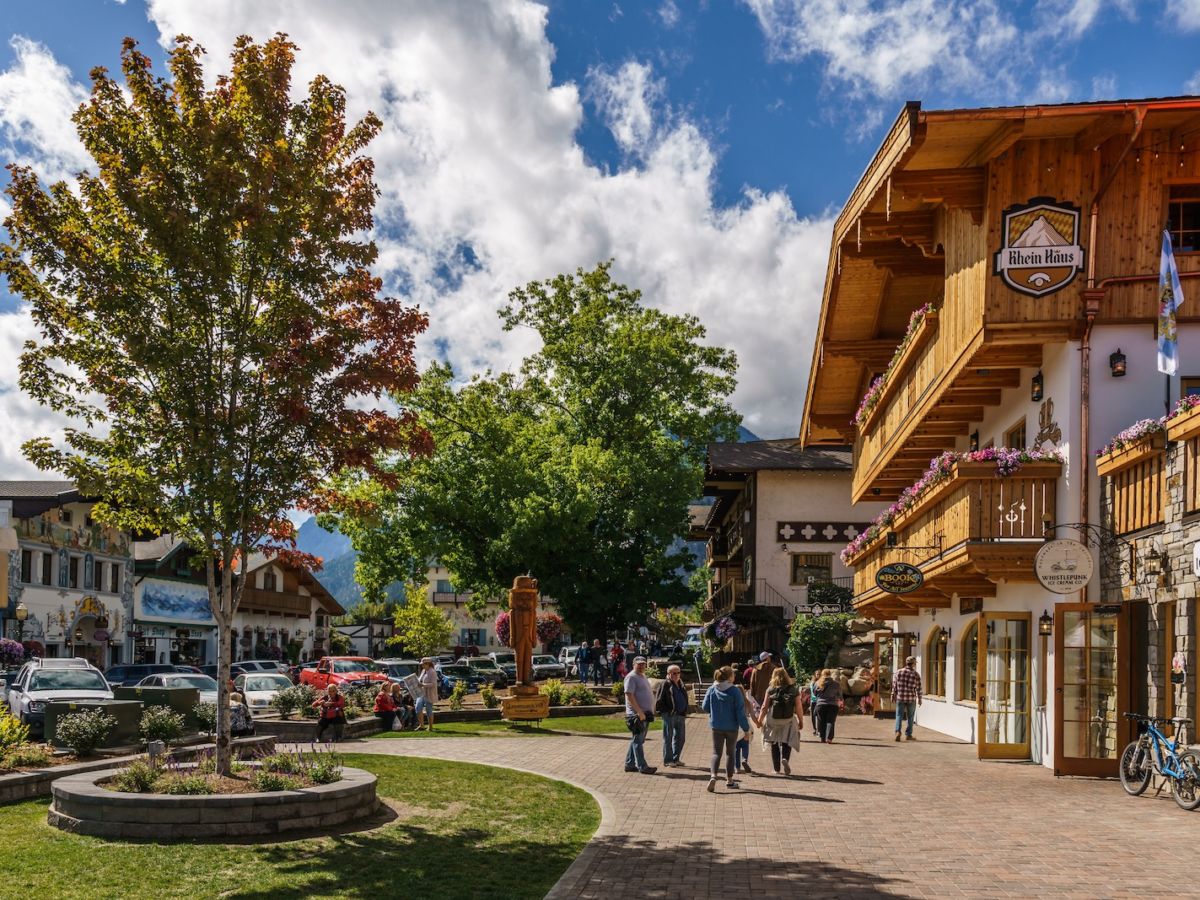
(899, 578)
(1063, 566)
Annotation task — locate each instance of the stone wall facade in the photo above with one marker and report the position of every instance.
(1130, 573)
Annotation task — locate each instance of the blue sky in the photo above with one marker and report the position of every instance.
(705, 146)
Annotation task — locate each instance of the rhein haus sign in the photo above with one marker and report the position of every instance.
(1039, 252)
(1063, 566)
(899, 578)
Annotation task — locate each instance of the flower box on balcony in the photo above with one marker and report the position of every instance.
(1130, 455)
(921, 335)
(1184, 425)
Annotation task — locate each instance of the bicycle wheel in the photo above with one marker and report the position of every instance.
(1186, 788)
(1135, 768)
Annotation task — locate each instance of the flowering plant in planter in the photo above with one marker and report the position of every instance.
(502, 629)
(11, 653)
(549, 627)
(1185, 404)
(1143, 428)
(941, 468)
(725, 628)
(871, 398)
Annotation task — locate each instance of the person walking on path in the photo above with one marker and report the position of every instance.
(760, 678)
(616, 657)
(906, 694)
(829, 701)
(639, 706)
(385, 707)
(779, 719)
(331, 707)
(812, 701)
(582, 662)
(598, 663)
(674, 708)
(726, 710)
(428, 682)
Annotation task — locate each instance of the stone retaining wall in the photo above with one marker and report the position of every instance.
(81, 805)
(36, 783)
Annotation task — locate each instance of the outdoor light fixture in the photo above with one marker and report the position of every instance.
(1035, 390)
(1116, 364)
(944, 637)
(21, 612)
(892, 539)
(79, 635)
(1045, 624)
(974, 441)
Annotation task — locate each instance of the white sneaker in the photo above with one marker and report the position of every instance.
(787, 770)
(712, 785)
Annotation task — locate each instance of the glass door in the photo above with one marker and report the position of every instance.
(1002, 675)
(883, 670)
(1089, 733)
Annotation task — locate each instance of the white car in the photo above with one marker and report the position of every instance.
(546, 666)
(260, 688)
(692, 640)
(41, 681)
(205, 685)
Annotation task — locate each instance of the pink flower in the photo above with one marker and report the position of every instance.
(871, 398)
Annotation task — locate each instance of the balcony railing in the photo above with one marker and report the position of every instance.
(277, 602)
(965, 534)
(723, 600)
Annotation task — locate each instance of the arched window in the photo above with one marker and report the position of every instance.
(968, 666)
(935, 663)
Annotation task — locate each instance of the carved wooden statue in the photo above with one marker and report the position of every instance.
(522, 620)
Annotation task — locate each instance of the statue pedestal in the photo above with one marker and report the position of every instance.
(525, 704)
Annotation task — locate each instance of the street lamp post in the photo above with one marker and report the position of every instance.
(21, 613)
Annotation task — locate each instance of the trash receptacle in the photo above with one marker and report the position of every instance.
(128, 714)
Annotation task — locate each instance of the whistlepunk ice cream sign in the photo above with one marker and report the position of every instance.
(1041, 252)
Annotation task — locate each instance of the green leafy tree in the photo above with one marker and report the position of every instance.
(339, 644)
(672, 624)
(578, 468)
(813, 638)
(421, 628)
(207, 311)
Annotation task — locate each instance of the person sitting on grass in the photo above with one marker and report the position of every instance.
(331, 707)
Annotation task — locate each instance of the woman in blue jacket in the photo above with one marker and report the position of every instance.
(726, 710)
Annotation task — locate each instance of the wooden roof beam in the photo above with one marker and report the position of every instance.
(995, 378)
(997, 143)
(1101, 130)
(954, 188)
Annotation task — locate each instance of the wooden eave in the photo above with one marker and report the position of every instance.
(929, 161)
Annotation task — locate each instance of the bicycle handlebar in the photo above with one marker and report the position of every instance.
(1157, 720)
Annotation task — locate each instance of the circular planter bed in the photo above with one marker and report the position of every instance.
(82, 804)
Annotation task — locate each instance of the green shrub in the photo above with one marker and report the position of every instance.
(813, 637)
(84, 731)
(136, 778)
(553, 688)
(488, 695)
(653, 672)
(580, 695)
(25, 756)
(297, 698)
(285, 763)
(360, 700)
(206, 716)
(192, 785)
(13, 732)
(273, 781)
(326, 769)
(618, 691)
(458, 695)
(160, 724)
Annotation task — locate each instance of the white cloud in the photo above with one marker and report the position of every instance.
(668, 11)
(1184, 14)
(1104, 87)
(480, 163)
(1192, 85)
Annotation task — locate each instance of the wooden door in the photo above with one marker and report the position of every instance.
(1003, 680)
(1089, 685)
(882, 670)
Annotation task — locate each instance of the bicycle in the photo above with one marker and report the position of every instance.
(1152, 753)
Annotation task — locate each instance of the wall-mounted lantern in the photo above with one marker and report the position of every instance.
(1035, 390)
(1116, 364)
(974, 441)
(1045, 624)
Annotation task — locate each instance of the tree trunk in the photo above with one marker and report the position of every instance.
(223, 614)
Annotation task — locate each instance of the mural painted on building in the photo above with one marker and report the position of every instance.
(174, 601)
(95, 537)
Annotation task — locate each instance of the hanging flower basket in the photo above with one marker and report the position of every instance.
(503, 632)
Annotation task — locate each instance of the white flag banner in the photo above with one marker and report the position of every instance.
(1170, 298)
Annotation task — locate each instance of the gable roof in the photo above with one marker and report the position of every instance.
(783, 453)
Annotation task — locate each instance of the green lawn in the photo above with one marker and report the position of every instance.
(566, 725)
(465, 831)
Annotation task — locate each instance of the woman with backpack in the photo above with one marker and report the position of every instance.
(779, 719)
(829, 701)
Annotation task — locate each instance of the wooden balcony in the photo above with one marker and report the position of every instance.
(723, 600)
(1137, 484)
(1186, 429)
(282, 602)
(716, 550)
(967, 533)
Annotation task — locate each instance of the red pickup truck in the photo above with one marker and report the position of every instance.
(344, 671)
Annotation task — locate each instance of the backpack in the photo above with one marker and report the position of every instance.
(783, 702)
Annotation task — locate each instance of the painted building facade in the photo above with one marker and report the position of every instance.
(992, 290)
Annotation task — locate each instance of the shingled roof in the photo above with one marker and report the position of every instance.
(26, 490)
(784, 453)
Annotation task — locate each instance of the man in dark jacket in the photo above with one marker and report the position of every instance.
(673, 705)
(598, 662)
(760, 678)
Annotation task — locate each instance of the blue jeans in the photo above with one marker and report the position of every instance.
(583, 671)
(674, 726)
(908, 709)
(635, 756)
(741, 752)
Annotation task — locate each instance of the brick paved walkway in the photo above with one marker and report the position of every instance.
(862, 817)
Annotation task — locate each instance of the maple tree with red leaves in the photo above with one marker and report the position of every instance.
(207, 312)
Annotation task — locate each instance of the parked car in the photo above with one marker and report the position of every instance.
(568, 658)
(235, 670)
(195, 670)
(546, 666)
(204, 684)
(691, 640)
(265, 665)
(295, 671)
(129, 675)
(484, 667)
(450, 675)
(344, 671)
(397, 669)
(41, 681)
(507, 661)
(260, 688)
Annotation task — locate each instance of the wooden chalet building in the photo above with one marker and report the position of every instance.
(992, 288)
(780, 515)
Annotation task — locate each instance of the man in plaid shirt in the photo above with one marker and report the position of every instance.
(906, 694)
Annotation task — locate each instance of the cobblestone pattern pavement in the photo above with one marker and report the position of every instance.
(863, 817)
